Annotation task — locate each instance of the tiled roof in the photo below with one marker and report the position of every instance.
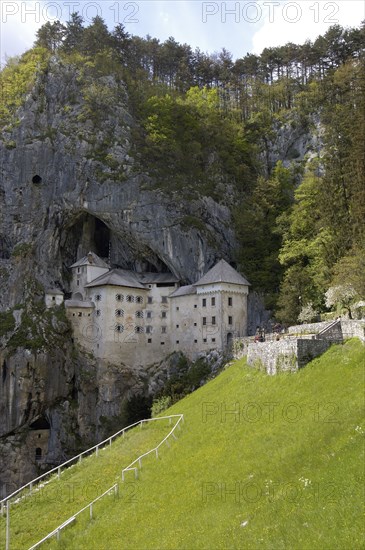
(157, 278)
(90, 259)
(222, 272)
(117, 277)
(54, 291)
(183, 291)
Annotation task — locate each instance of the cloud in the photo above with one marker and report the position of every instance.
(301, 20)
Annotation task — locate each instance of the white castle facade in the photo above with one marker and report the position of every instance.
(140, 318)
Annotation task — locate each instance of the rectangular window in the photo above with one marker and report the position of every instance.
(213, 339)
(78, 283)
(177, 341)
(230, 320)
(204, 302)
(213, 301)
(195, 306)
(148, 330)
(230, 300)
(177, 308)
(213, 320)
(163, 314)
(194, 324)
(177, 326)
(163, 330)
(149, 314)
(162, 343)
(149, 300)
(149, 341)
(204, 320)
(164, 299)
(195, 341)
(204, 339)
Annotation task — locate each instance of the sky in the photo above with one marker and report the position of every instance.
(239, 27)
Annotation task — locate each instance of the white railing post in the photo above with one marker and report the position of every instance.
(91, 511)
(7, 545)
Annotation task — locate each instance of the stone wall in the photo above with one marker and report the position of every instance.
(353, 329)
(274, 357)
(287, 355)
(309, 349)
(308, 328)
(332, 333)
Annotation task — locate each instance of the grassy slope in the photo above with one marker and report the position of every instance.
(290, 465)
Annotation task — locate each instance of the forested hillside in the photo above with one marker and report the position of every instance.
(206, 125)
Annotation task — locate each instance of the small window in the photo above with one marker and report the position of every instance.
(177, 341)
(177, 308)
(38, 453)
(77, 283)
(163, 314)
(230, 300)
(204, 302)
(149, 300)
(213, 339)
(139, 299)
(78, 270)
(53, 298)
(194, 324)
(138, 330)
(162, 343)
(130, 298)
(148, 329)
(213, 320)
(163, 330)
(195, 341)
(139, 314)
(119, 312)
(119, 328)
(164, 299)
(204, 320)
(230, 320)
(119, 297)
(149, 314)
(204, 339)
(213, 301)
(98, 297)
(195, 306)
(149, 341)
(177, 326)
(79, 314)
(73, 315)
(98, 312)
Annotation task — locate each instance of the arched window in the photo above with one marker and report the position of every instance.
(119, 297)
(98, 297)
(119, 328)
(138, 330)
(139, 299)
(38, 453)
(130, 298)
(139, 314)
(119, 313)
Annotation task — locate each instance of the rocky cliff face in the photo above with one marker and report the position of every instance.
(69, 184)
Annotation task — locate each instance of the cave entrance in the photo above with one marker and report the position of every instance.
(85, 234)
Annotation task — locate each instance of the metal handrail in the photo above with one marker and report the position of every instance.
(114, 487)
(77, 457)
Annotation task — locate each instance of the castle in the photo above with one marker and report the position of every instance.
(139, 318)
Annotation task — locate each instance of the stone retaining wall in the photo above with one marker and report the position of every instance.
(285, 355)
(353, 329)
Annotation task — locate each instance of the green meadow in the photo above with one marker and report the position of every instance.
(260, 462)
